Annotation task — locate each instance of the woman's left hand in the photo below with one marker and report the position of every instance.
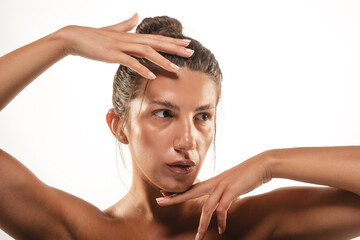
(223, 189)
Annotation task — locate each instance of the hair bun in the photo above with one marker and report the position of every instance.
(163, 25)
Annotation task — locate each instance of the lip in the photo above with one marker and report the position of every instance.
(182, 166)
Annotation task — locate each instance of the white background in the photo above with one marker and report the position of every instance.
(291, 78)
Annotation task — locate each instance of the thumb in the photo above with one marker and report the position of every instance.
(126, 25)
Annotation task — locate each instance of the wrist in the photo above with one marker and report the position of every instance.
(271, 162)
(61, 36)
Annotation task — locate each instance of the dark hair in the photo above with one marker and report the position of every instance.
(127, 82)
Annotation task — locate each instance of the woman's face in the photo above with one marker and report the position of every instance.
(171, 128)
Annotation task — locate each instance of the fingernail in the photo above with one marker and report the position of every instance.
(197, 236)
(151, 75)
(189, 50)
(160, 199)
(174, 66)
(220, 230)
(186, 42)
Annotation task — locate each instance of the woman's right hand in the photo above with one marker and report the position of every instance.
(114, 44)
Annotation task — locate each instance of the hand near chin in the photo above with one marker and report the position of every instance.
(222, 190)
(114, 44)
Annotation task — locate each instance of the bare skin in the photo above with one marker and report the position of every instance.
(160, 133)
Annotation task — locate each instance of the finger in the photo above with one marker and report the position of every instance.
(136, 66)
(196, 191)
(207, 211)
(170, 47)
(158, 43)
(167, 194)
(144, 38)
(221, 211)
(147, 52)
(126, 25)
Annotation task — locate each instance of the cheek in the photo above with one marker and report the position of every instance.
(205, 140)
(148, 142)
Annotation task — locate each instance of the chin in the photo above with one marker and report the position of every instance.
(177, 188)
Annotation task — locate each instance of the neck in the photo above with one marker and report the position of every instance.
(141, 199)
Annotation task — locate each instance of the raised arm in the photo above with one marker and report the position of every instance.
(337, 167)
(331, 166)
(29, 209)
(111, 44)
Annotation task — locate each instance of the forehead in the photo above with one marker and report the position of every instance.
(185, 87)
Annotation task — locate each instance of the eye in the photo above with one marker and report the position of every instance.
(202, 116)
(163, 114)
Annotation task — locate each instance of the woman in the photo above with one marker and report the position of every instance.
(169, 124)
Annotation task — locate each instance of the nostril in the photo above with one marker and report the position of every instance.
(184, 146)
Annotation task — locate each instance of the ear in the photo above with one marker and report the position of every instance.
(114, 122)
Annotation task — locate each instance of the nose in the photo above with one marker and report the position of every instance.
(184, 140)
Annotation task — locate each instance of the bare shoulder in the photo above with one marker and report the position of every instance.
(31, 209)
(85, 221)
(305, 212)
(81, 219)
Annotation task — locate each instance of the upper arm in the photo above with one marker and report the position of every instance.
(318, 213)
(29, 208)
(297, 213)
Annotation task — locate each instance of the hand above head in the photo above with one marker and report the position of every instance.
(222, 190)
(114, 44)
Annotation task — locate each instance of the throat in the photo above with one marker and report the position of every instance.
(144, 208)
(140, 204)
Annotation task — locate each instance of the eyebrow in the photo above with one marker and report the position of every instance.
(175, 107)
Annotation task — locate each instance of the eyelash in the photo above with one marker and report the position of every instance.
(204, 114)
(169, 114)
(162, 110)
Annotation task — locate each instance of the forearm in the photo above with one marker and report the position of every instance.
(332, 166)
(20, 67)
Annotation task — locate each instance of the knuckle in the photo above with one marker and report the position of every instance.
(166, 63)
(222, 185)
(146, 49)
(209, 189)
(141, 67)
(202, 230)
(173, 199)
(220, 210)
(206, 210)
(229, 187)
(160, 38)
(133, 62)
(127, 61)
(136, 66)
